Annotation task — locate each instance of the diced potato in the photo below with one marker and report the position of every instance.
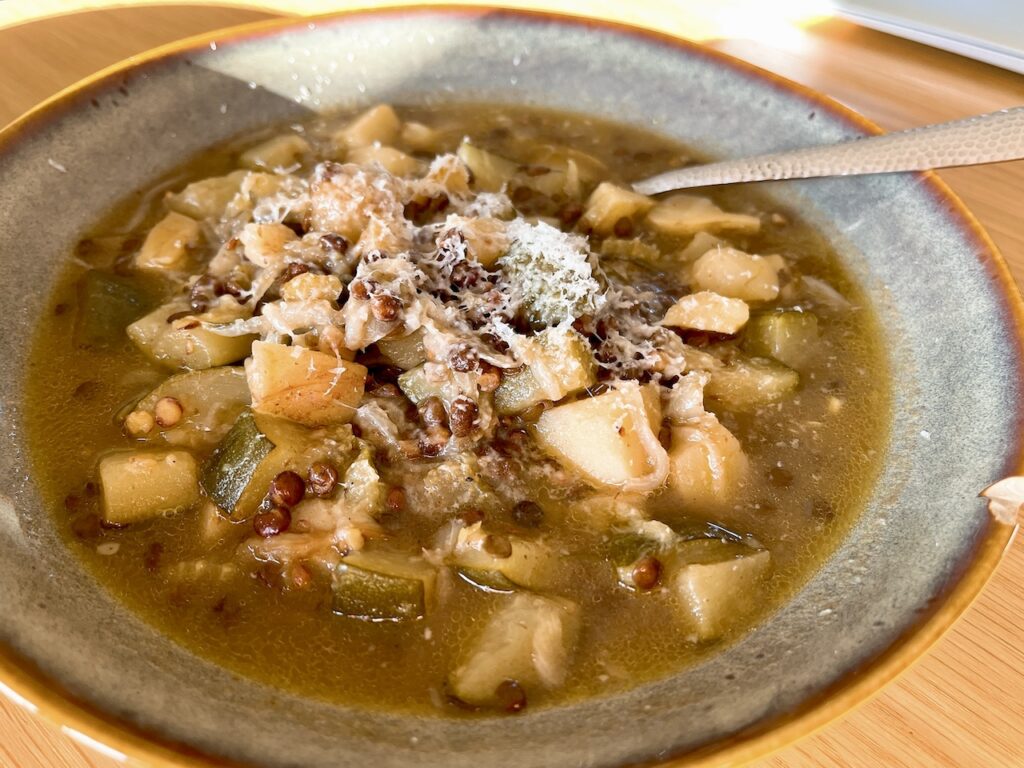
(167, 245)
(312, 287)
(587, 167)
(419, 137)
(791, 337)
(690, 214)
(405, 352)
(211, 400)
(180, 345)
(278, 153)
(558, 362)
(707, 463)
(716, 594)
(530, 640)
(608, 439)
(609, 203)
(701, 243)
(138, 485)
(303, 385)
(377, 124)
(529, 564)
(732, 272)
(206, 199)
(686, 398)
(707, 311)
(486, 240)
(264, 243)
(392, 160)
(383, 586)
(490, 172)
(747, 383)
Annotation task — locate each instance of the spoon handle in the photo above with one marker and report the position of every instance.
(990, 138)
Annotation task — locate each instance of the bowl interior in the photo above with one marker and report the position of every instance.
(953, 355)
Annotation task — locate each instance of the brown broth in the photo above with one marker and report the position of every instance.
(829, 462)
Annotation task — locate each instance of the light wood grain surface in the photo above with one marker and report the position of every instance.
(963, 704)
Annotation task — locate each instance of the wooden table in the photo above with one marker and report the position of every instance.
(963, 704)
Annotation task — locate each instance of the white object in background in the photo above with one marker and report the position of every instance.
(988, 30)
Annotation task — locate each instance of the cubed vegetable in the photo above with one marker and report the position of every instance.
(429, 380)
(166, 247)
(708, 311)
(183, 342)
(707, 463)
(277, 153)
(231, 468)
(719, 590)
(383, 586)
(791, 337)
(731, 272)
(747, 383)
(405, 352)
(486, 240)
(487, 581)
(529, 640)
(211, 401)
(138, 485)
(392, 160)
(690, 214)
(523, 562)
(420, 138)
(377, 124)
(608, 439)
(207, 199)
(701, 243)
(558, 362)
(609, 204)
(264, 244)
(106, 305)
(633, 249)
(303, 385)
(490, 172)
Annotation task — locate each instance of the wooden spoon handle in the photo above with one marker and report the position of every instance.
(990, 138)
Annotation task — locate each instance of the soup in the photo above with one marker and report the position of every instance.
(425, 410)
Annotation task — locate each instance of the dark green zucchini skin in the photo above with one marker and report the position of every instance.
(231, 466)
(107, 304)
(364, 594)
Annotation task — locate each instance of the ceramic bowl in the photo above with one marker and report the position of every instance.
(923, 547)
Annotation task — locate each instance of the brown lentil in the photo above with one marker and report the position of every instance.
(463, 415)
(287, 489)
(511, 696)
(271, 522)
(528, 514)
(359, 290)
(462, 358)
(323, 479)
(396, 500)
(293, 270)
(647, 573)
(432, 412)
(385, 307)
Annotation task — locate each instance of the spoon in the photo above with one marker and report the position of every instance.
(991, 138)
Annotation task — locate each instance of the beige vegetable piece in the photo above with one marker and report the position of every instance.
(377, 124)
(490, 172)
(167, 245)
(731, 272)
(184, 343)
(392, 160)
(311, 287)
(486, 240)
(530, 640)
(715, 595)
(708, 311)
(278, 153)
(138, 485)
(748, 383)
(707, 463)
(608, 204)
(303, 385)
(690, 214)
(264, 243)
(529, 564)
(419, 137)
(611, 439)
(207, 198)
(558, 362)
(701, 243)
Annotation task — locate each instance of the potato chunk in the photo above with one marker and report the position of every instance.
(303, 385)
(690, 214)
(609, 439)
(748, 383)
(138, 485)
(184, 344)
(279, 152)
(706, 463)
(707, 311)
(530, 640)
(716, 592)
(264, 243)
(523, 562)
(609, 203)
(731, 272)
(558, 361)
(490, 172)
(392, 160)
(167, 245)
(377, 124)
(207, 198)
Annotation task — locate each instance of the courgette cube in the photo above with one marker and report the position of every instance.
(746, 384)
(419, 383)
(530, 640)
(232, 466)
(788, 336)
(381, 586)
(138, 485)
(559, 362)
(188, 345)
(525, 563)
(487, 581)
(405, 352)
(107, 304)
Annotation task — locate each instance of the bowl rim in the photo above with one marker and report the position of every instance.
(29, 687)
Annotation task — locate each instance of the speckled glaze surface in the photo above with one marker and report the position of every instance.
(922, 549)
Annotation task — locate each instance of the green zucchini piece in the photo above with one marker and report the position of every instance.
(790, 337)
(232, 466)
(559, 362)
(746, 384)
(379, 586)
(107, 304)
(405, 352)
(417, 386)
(487, 581)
